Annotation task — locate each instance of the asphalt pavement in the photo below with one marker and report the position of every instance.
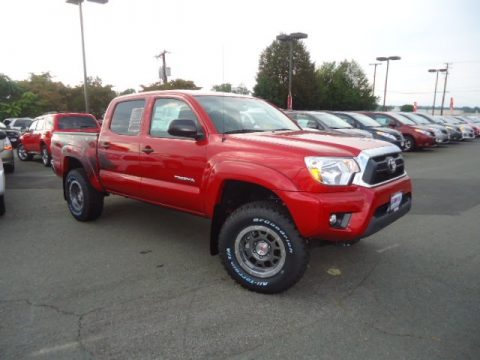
(139, 282)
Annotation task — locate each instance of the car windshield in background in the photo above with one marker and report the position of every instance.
(404, 120)
(77, 122)
(417, 119)
(332, 121)
(365, 120)
(242, 115)
(451, 121)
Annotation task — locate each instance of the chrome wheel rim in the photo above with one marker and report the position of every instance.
(45, 156)
(22, 154)
(408, 144)
(75, 193)
(260, 251)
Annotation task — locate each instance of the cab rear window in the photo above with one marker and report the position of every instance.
(76, 123)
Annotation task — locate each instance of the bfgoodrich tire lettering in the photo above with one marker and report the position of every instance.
(84, 202)
(261, 249)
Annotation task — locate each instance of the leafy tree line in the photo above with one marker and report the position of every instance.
(40, 94)
(332, 86)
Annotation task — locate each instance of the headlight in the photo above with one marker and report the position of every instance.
(384, 134)
(424, 132)
(332, 171)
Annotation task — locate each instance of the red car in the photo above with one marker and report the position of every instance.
(416, 136)
(37, 139)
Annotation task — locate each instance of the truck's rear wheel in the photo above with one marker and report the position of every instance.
(84, 202)
(261, 249)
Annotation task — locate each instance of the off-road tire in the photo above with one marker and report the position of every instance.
(84, 201)
(22, 154)
(263, 229)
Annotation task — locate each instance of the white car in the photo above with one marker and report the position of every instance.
(2, 189)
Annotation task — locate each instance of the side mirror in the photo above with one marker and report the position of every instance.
(3, 135)
(184, 128)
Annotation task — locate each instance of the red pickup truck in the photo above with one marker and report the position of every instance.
(268, 186)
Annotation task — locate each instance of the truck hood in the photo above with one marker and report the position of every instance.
(305, 143)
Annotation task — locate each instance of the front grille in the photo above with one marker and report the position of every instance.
(378, 169)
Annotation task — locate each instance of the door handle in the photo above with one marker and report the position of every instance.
(147, 150)
(105, 144)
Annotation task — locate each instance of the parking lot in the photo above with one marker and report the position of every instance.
(139, 282)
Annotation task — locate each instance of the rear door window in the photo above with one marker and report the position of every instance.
(77, 123)
(127, 117)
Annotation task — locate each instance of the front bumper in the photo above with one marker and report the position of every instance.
(367, 209)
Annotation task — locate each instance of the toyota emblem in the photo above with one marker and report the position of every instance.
(392, 165)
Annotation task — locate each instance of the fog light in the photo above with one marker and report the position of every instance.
(333, 219)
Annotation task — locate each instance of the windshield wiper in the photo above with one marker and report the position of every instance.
(243, 131)
(281, 130)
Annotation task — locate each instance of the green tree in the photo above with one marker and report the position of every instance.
(226, 87)
(99, 96)
(52, 96)
(127, 92)
(406, 108)
(171, 85)
(272, 76)
(344, 86)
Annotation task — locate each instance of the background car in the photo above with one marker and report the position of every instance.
(2, 189)
(441, 133)
(36, 140)
(21, 124)
(325, 121)
(6, 153)
(13, 135)
(474, 123)
(454, 132)
(364, 122)
(416, 136)
(467, 131)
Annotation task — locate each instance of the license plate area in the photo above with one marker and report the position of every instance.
(395, 202)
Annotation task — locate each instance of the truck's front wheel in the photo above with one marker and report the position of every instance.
(261, 249)
(84, 202)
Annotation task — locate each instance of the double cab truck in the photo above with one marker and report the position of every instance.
(268, 186)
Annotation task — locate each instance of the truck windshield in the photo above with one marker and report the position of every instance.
(232, 114)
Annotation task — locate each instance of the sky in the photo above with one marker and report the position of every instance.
(213, 41)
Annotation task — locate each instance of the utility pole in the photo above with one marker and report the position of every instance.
(164, 67)
(444, 88)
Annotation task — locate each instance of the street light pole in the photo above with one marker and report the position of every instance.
(387, 59)
(436, 83)
(444, 88)
(85, 91)
(289, 39)
(374, 75)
